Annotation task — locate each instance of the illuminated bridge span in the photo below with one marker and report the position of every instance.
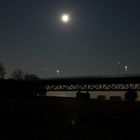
(99, 83)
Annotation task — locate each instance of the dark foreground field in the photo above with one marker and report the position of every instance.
(54, 118)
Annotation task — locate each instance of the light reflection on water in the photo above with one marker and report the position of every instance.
(93, 94)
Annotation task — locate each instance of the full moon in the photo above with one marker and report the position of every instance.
(65, 18)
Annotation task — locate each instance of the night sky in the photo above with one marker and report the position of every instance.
(100, 34)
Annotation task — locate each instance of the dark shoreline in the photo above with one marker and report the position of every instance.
(68, 118)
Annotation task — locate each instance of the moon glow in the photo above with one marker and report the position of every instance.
(65, 18)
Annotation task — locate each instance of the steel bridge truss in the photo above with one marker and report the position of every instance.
(94, 84)
(93, 87)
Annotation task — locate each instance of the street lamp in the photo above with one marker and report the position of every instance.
(126, 68)
(58, 72)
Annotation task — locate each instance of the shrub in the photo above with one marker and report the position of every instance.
(131, 95)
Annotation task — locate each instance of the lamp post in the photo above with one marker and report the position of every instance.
(119, 68)
(45, 72)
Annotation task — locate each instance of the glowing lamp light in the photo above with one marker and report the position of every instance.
(126, 68)
(57, 72)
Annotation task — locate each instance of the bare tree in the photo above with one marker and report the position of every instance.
(17, 75)
(28, 76)
(2, 71)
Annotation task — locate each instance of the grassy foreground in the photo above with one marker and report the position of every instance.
(55, 118)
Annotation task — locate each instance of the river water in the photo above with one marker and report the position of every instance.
(93, 94)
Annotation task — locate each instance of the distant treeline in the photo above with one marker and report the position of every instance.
(25, 88)
(16, 74)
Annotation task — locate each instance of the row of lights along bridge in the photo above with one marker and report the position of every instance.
(118, 73)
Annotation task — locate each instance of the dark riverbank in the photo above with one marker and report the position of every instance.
(68, 118)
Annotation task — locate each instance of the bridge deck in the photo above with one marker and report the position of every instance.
(96, 83)
(99, 83)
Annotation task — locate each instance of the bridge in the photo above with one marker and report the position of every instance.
(93, 83)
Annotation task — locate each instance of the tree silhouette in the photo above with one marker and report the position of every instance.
(2, 71)
(17, 75)
(28, 76)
